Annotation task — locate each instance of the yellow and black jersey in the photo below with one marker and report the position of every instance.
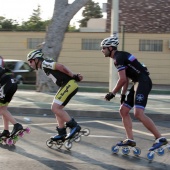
(57, 76)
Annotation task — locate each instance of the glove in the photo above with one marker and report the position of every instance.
(109, 96)
(122, 98)
(76, 77)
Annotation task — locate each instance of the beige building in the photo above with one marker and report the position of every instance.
(81, 52)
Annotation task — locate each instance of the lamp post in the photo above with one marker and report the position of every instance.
(114, 30)
(123, 34)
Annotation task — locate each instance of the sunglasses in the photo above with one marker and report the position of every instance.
(30, 61)
(103, 48)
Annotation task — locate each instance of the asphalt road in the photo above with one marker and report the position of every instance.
(92, 152)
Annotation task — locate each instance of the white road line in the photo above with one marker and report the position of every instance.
(97, 121)
(121, 127)
(42, 124)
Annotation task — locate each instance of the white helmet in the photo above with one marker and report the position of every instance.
(110, 41)
(35, 54)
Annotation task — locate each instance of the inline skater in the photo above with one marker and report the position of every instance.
(8, 87)
(129, 67)
(67, 81)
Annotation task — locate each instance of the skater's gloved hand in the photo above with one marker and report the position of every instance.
(77, 77)
(122, 98)
(109, 96)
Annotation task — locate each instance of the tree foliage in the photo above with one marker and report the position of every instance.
(91, 10)
(34, 23)
(8, 24)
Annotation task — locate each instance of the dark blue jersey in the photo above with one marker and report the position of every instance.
(133, 68)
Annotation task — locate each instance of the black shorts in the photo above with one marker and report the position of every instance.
(8, 87)
(138, 94)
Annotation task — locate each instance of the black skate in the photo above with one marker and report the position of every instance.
(74, 135)
(57, 140)
(18, 131)
(17, 127)
(4, 136)
(76, 138)
(126, 146)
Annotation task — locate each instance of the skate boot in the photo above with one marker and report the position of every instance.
(158, 147)
(127, 145)
(17, 127)
(158, 143)
(127, 142)
(74, 128)
(5, 133)
(61, 134)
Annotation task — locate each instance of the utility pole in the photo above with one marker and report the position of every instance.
(114, 30)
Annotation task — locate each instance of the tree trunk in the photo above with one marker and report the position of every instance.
(63, 13)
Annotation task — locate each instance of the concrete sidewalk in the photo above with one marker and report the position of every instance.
(102, 88)
(86, 104)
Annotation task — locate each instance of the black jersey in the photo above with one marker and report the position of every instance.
(4, 72)
(57, 76)
(126, 61)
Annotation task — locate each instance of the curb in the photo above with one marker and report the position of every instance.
(83, 113)
(94, 89)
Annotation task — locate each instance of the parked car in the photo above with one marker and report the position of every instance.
(23, 73)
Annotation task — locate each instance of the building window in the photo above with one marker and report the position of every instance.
(150, 45)
(32, 43)
(91, 44)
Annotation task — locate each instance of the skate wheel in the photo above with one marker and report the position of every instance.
(125, 150)
(160, 151)
(27, 130)
(150, 156)
(21, 134)
(9, 142)
(115, 149)
(68, 145)
(49, 143)
(58, 144)
(15, 139)
(86, 132)
(1, 141)
(77, 139)
(168, 147)
(136, 151)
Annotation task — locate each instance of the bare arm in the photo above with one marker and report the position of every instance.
(65, 70)
(125, 87)
(121, 83)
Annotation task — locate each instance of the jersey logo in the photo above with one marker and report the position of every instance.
(52, 77)
(2, 95)
(140, 97)
(65, 91)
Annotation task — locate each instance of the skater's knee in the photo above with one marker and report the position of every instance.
(56, 108)
(3, 110)
(123, 111)
(139, 114)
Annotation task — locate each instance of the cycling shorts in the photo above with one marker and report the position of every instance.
(65, 93)
(138, 94)
(8, 87)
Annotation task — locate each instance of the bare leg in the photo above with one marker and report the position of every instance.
(127, 122)
(147, 122)
(7, 117)
(61, 115)
(5, 122)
